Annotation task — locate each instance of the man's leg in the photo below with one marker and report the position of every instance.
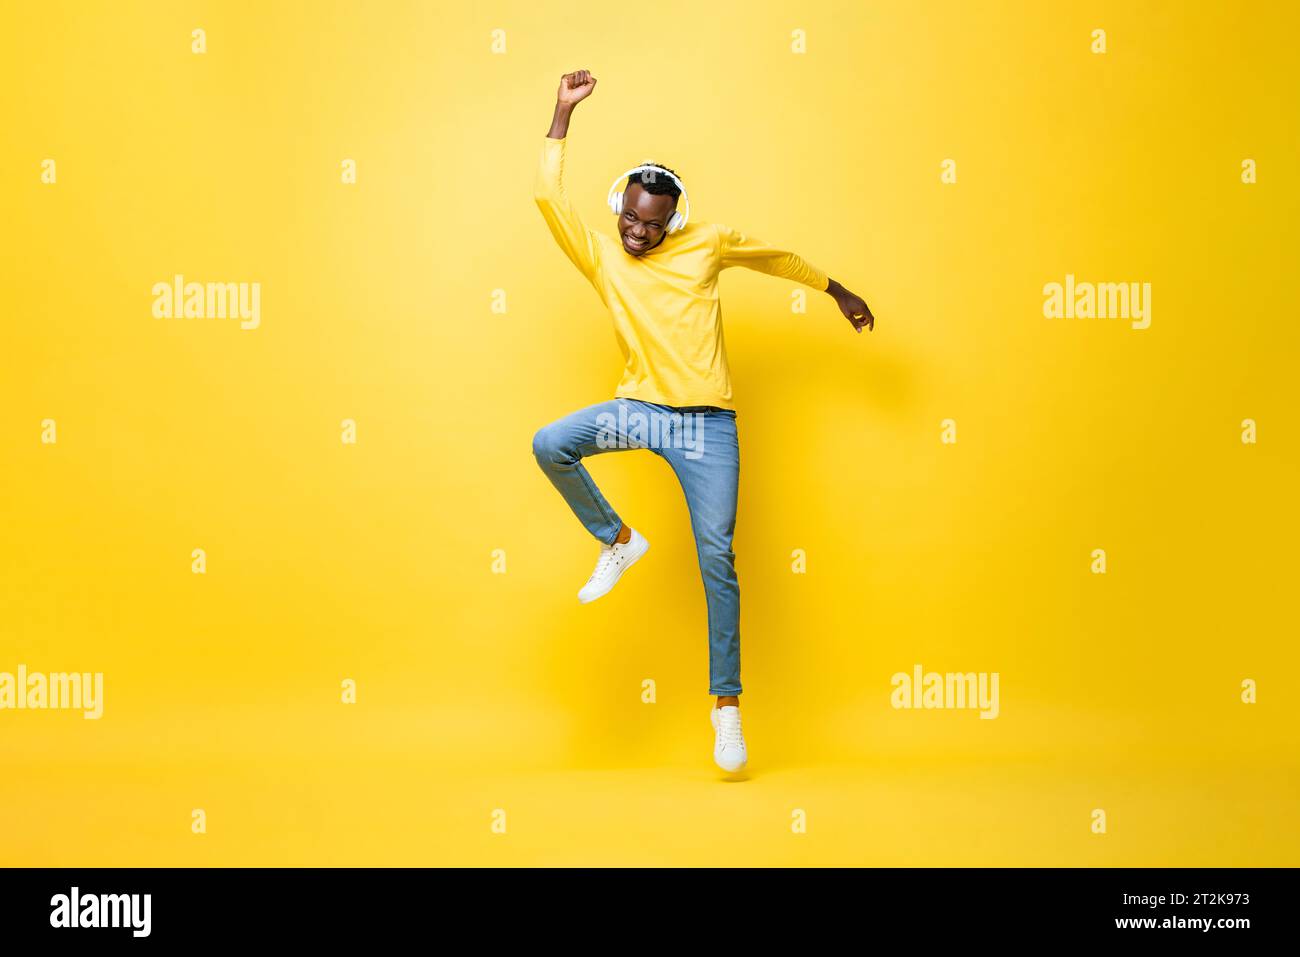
(559, 449)
(708, 468)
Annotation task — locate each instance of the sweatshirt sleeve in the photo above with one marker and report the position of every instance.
(737, 249)
(577, 241)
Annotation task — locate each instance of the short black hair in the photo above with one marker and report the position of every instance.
(658, 185)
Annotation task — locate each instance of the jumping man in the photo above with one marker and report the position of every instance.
(659, 281)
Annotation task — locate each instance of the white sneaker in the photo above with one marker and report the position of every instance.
(613, 562)
(728, 741)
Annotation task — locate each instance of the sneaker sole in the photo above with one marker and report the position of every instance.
(632, 560)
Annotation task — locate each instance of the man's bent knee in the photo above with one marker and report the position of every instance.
(550, 446)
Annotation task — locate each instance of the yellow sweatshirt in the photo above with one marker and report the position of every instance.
(667, 317)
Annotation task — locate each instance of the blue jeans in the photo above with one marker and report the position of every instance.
(700, 444)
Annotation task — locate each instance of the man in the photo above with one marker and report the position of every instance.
(659, 282)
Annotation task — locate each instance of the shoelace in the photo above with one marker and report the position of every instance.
(606, 556)
(729, 731)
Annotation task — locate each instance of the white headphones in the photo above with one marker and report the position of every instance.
(678, 218)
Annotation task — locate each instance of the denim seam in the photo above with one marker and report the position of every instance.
(606, 510)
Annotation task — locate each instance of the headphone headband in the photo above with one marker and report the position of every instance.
(679, 217)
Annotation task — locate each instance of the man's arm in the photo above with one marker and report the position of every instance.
(740, 250)
(577, 241)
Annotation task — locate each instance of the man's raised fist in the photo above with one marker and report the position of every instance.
(576, 87)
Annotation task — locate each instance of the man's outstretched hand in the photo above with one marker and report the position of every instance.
(576, 87)
(854, 308)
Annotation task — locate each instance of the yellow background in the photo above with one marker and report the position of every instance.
(480, 691)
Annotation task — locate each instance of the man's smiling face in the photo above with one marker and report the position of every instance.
(643, 224)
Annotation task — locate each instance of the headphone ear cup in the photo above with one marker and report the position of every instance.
(675, 223)
(616, 202)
